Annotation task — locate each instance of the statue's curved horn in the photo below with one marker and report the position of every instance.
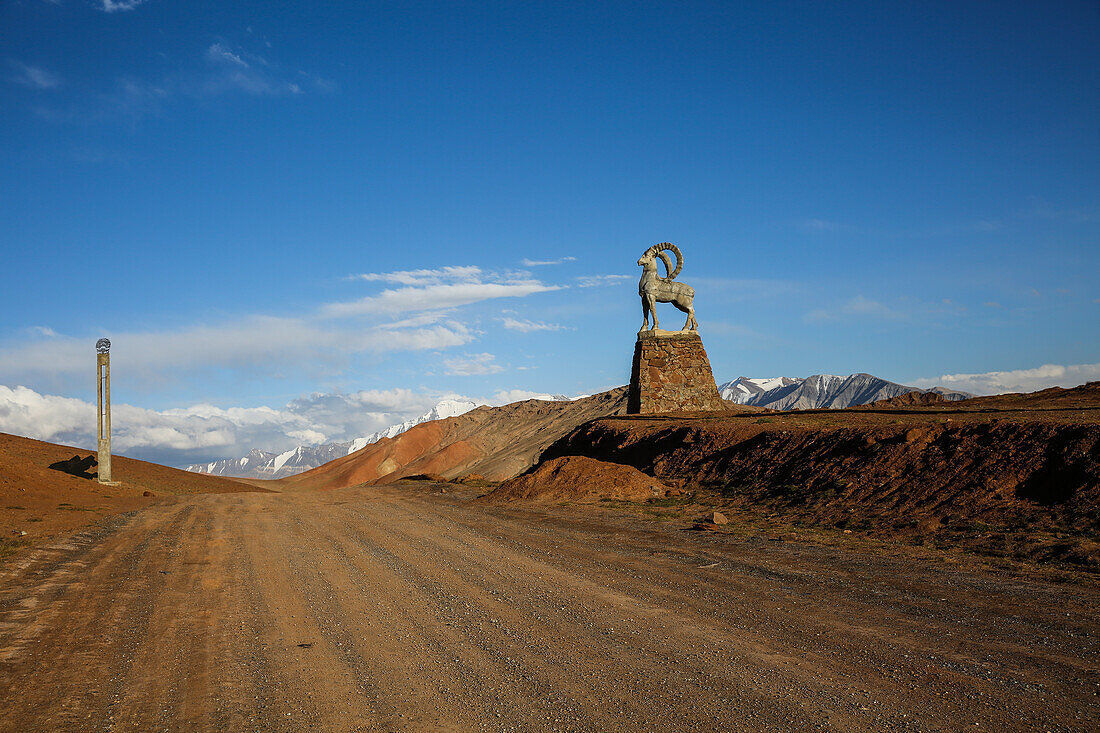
(679, 258)
(668, 265)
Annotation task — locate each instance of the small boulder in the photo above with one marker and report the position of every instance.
(147, 493)
(717, 518)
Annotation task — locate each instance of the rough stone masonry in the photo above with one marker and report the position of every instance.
(671, 373)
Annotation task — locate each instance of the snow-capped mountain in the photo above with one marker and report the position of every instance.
(820, 390)
(744, 390)
(445, 409)
(264, 464)
(267, 465)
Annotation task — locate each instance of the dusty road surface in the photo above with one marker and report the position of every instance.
(381, 609)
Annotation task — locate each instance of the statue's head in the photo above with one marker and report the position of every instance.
(649, 257)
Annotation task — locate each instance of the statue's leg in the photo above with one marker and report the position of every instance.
(651, 302)
(645, 313)
(685, 306)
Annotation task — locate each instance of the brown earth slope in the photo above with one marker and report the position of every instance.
(1023, 471)
(41, 502)
(579, 480)
(496, 442)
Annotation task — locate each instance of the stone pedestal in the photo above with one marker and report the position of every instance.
(671, 373)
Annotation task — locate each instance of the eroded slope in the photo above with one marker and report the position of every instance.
(496, 442)
(1020, 470)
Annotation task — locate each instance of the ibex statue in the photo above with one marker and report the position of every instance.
(656, 289)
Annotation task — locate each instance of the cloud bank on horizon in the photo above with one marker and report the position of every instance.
(202, 433)
(1018, 380)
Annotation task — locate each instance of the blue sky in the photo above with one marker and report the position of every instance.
(261, 202)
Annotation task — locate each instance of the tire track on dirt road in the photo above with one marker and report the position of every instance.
(388, 609)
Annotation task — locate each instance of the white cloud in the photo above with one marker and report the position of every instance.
(45, 417)
(472, 365)
(447, 287)
(539, 263)
(256, 344)
(218, 53)
(111, 6)
(34, 77)
(858, 306)
(463, 273)
(236, 70)
(204, 432)
(434, 297)
(507, 396)
(525, 326)
(221, 70)
(592, 281)
(307, 437)
(266, 345)
(1019, 380)
(900, 309)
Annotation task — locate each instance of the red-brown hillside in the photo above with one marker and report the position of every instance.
(1030, 462)
(41, 501)
(496, 442)
(578, 479)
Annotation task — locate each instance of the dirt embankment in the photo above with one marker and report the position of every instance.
(579, 480)
(496, 442)
(37, 501)
(1022, 475)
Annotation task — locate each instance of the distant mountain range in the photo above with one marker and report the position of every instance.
(262, 464)
(777, 393)
(266, 465)
(820, 391)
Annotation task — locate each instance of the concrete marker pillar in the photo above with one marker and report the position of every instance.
(103, 415)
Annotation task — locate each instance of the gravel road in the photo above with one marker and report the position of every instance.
(397, 609)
